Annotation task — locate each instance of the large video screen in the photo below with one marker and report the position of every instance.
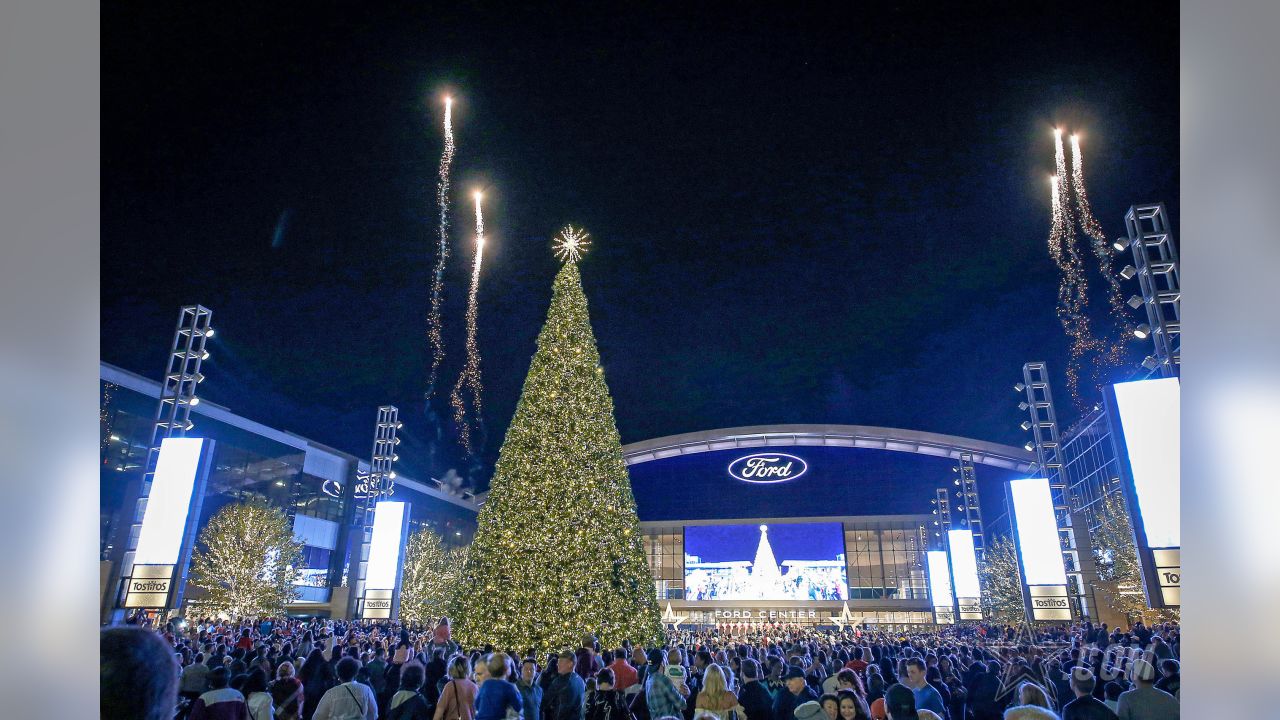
(800, 561)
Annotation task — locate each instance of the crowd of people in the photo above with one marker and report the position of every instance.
(291, 669)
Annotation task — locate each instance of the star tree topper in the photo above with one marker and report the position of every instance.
(570, 244)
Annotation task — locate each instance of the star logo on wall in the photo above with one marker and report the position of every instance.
(845, 618)
(671, 618)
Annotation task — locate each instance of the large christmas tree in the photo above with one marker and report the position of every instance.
(558, 552)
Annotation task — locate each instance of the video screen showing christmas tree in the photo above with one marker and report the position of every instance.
(802, 561)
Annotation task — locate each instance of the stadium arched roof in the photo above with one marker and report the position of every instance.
(856, 436)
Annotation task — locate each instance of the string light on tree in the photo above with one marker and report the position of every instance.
(469, 378)
(442, 253)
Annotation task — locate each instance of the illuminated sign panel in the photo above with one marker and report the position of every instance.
(1049, 602)
(1038, 543)
(1149, 417)
(768, 468)
(940, 586)
(149, 586)
(384, 545)
(169, 503)
(964, 563)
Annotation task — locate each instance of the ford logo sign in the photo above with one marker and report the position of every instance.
(768, 468)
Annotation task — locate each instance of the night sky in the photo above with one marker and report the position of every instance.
(797, 217)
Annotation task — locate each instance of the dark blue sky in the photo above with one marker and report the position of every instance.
(798, 217)
(725, 543)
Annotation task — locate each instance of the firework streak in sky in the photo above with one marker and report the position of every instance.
(1073, 287)
(437, 280)
(1114, 348)
(470, 377)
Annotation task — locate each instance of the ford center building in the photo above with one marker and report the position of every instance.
(794, 523)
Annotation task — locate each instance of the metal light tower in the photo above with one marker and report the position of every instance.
(968, 504)
(381, 481)
(942, 525)
(1155, 263)
(173, 416)
(1043, 424)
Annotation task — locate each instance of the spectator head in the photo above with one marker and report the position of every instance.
(458, 667)
(1030, 693)
(638, 657)
(620, 654)
(809, 711)
(750, 669)
(1082, 681)
(529, 670)
(412, 675)
(347, 669)
(851, 706)
(830, 705)
(255, 681)
(715, 681)
(565, 661)
(285, 670)
(915, 672)
(1113, 690)
(605, 677)
(674, 657)
(498, 667)
(1143, 673)
(218, 678)
(139, 678)
(1169, 667)
(1029, 712)
(900, 703)
(794, 679)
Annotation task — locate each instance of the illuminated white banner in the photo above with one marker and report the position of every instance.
(1149, 418)
(964, 564)
(384, 545)
(1038, 543)
(169, 503)
(940, 586)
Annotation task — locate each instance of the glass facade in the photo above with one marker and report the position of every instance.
(664, 548)
(1090, 466)
(886, 559)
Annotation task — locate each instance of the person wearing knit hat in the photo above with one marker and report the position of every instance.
(1144, 701)
(1085, 706)
(810, 710)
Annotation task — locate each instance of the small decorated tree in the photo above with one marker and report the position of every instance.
(431, 574)
(1116, 557)
(247, 561)
(1001, 583)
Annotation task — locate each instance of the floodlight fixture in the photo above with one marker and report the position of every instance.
(1142, 332)
(1120, 244)
(1136, 302)
(1128, 272)
(1026, 424)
